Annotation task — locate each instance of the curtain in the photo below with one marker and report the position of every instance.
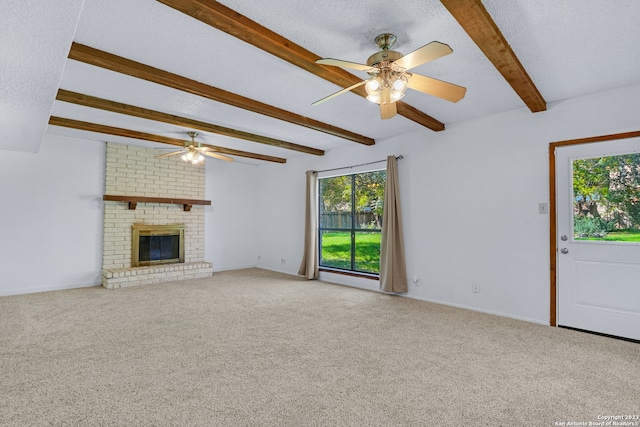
(309, 264)
(393, 269)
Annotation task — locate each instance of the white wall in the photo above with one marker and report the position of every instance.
(470, 200)
(234, 220)
(51, 216)
(470, 197)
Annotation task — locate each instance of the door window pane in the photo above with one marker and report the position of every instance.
(606, 198)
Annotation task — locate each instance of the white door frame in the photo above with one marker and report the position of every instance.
(553, 244)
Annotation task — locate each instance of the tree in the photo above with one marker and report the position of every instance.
(609, 185)
(335, 194)
(370, 194)
(364, 192)
(624, 191)
(590, 184)
(369, 190)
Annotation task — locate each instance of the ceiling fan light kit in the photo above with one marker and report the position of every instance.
(192, 156)
(194, 152)
(389, 76)
(389, 80)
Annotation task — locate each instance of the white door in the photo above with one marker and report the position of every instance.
(598, 279)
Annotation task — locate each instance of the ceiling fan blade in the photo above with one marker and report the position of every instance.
(173, 153)
(217, 156)
(435, 87)
(343, 64)
(387, 108)
(340, 92)
(426, 53)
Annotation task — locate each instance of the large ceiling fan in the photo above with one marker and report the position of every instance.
(390, 76)
(193, 152)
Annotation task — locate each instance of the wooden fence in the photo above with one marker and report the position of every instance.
(343, 220)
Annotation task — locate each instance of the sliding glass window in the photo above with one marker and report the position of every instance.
(350, 218)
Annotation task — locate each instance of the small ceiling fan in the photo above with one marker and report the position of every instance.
(390, 76)
(193, 152)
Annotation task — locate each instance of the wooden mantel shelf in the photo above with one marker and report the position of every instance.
(134, 200)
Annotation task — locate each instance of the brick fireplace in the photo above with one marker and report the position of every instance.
(134, 171)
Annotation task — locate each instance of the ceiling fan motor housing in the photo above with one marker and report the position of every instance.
(383, 56)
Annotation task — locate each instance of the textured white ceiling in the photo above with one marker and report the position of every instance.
(34, 41)
(569, 48)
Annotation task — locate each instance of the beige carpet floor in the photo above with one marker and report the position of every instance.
(258, 348)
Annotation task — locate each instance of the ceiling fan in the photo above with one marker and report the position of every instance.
(390, 76)
(193, 152)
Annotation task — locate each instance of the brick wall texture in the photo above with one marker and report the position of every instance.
(134, 171)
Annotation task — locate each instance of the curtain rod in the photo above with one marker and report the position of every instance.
(361, 164)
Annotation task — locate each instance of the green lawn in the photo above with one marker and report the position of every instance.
(630, 235)
(336, 251)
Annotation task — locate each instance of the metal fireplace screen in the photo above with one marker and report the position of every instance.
(157, 244)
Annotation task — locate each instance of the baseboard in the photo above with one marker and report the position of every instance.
(288, 273)
(374, 288)
(354, 282)
(480, 310)
(434, 301)
(8, 292)
(23, 291)
(348, 279)
(234, 267)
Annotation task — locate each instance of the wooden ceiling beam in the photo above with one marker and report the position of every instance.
(231, 22)
(144, 113)
(131, 68)
(127, 133)
(476, 21)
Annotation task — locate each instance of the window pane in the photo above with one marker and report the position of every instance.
(350, 211)
(606, 204)
(335, 202)
(335, 249)
(369, 200)
(368, 251)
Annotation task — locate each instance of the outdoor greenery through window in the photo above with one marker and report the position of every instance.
(606, 204)
(350, 221)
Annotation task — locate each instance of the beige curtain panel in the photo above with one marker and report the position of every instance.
(393, 269)
(309, 264)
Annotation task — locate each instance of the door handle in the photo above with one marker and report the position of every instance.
(564, 251)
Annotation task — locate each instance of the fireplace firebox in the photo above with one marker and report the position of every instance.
(157, 244)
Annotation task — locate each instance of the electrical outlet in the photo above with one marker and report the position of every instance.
(475, 288)
(283, 261)
(416, 280)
